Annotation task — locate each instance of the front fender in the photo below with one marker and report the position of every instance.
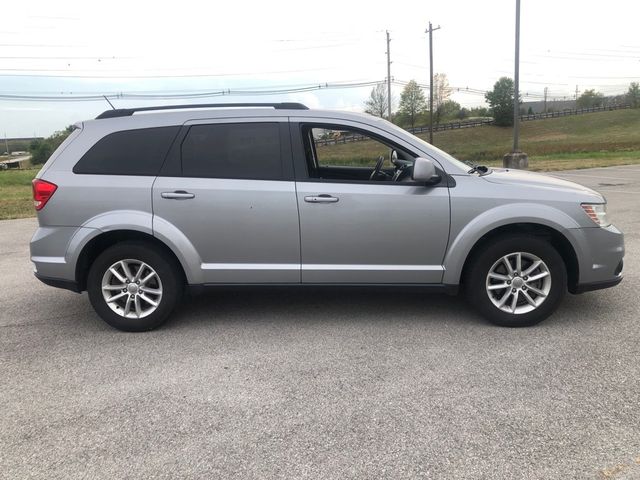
(464, 240)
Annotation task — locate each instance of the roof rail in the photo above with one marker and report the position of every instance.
(127, 112)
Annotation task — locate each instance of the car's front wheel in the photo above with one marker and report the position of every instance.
(134, 286)
(516, 281)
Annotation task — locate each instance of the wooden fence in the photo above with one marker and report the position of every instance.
(473, 123)
(565, 113)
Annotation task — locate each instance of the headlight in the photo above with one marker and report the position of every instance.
(597, 212)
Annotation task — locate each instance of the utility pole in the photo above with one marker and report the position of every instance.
(546, 90)
(516, 81)
(6, 143)
(389, 75)
(576, 98)
(516, 159)
(430, 31)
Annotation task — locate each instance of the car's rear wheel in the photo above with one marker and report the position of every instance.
(134, 286)
(516, 281)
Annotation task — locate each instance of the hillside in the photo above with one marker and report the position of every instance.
(601, 135)
(581, 141)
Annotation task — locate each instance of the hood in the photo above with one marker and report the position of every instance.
(508, 176)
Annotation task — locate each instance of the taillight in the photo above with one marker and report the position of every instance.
(42, 192)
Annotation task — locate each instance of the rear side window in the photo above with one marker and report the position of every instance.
(129, 152)
(233, 150)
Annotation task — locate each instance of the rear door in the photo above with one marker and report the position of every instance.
(229, 189)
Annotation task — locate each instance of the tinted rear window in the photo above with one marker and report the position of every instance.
(130, 152)
(233, 150)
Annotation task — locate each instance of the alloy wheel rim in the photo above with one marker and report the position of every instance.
(518, 283)
(131, 288)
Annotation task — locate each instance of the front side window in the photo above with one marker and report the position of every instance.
(348, 154)
(233, 150)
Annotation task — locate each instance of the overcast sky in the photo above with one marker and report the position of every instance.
(86, 47)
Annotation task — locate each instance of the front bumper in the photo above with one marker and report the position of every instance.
(600, 258)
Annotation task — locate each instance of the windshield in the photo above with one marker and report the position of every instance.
(428, 147)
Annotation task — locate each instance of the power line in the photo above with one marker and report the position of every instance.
(247, 91)
(187, 75)
(68, 57)
(213, 93)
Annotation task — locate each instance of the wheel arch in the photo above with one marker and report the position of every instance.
(557, 239)
(104, 240)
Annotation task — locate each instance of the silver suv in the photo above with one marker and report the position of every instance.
(140, 203)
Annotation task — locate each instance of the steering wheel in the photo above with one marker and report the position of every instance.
(378, 168)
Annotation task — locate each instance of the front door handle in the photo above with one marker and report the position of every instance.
(177, 195)
(324, 198)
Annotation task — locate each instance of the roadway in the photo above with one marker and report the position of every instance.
(302, 384)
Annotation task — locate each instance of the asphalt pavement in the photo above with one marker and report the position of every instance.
(315, 384)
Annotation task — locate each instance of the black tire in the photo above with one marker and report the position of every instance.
(169, 273)
(475, 281)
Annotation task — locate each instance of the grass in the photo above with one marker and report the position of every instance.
(583, 141)
(16, 200)
(576, 161)
(589, 134)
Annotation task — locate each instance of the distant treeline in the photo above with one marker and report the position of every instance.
(16, 144)
(42, 148)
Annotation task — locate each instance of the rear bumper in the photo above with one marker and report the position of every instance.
(59, 283)
(589, 287)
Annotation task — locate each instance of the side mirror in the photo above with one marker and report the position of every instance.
(424, 170)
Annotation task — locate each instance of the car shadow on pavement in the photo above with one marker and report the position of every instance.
(321, 305)
(366, 306)
(318, 306)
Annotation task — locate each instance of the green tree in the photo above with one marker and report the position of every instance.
(590, 99)
(463, 113)
(41, 150)
(479, 112)
(377, 103)
(500, 100)
(633, 95)
(447, 110)
(412, 102)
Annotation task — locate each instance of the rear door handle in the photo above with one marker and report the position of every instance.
(323, 198)
(177, 195)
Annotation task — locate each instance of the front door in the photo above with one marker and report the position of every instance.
(361, 224)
